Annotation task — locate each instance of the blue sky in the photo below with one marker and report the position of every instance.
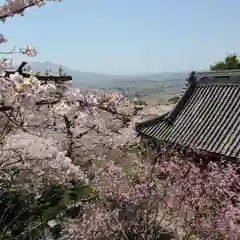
(129, 36)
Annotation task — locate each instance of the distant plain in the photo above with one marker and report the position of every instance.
(154, 89)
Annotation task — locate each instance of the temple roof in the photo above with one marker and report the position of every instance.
(206, 117)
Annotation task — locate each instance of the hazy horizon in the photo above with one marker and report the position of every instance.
(128, 37)
(111, 74)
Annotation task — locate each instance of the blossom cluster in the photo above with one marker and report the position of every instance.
(202, 198)
(18, 91)
(119, 189)
(95, 222)
(13, 7)
(124, 202)
(2, 38)
(91, 99)
(41, 155)
(29, 51)
(201, 202)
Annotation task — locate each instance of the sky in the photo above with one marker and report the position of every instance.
(128, 36)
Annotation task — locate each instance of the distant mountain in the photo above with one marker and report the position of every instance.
(88, 79)
(157, 86)
(84, 79)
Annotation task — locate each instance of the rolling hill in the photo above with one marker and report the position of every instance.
(160, 86)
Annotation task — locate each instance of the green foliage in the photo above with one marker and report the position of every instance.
(25, 214)
(139, 102)
(133, 177)
(232, 61)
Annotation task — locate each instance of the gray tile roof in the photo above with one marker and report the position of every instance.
(207, 116)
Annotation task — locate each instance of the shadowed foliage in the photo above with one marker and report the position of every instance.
(25, 217)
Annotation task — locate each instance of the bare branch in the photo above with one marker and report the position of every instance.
(11, 52)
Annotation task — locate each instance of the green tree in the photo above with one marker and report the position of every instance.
(232, 61)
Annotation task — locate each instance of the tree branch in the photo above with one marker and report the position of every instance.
(4, 108)
(12, 51)
(113, 111)
(9, 14)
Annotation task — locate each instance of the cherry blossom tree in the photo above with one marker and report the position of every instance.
(43, 124)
